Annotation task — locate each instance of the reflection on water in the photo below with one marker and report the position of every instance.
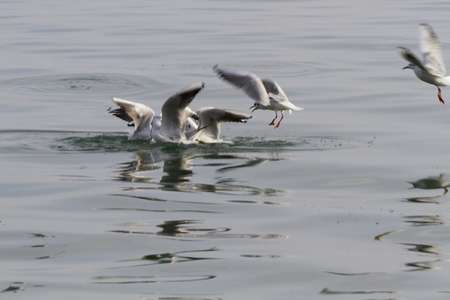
(433, 199)
(167, 258)
(173, 169)
(429, 249)
(14, 287)
(424, 220)
(181, 228)
(434, 249)
(422, 266)
(328, 291)
(49, 256)
(87, 84)
(132, 279)
(163, 206)
(185, 229)
(381, 236)
(19, 286)
(176, 257)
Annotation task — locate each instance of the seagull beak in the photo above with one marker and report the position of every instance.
(407, 67)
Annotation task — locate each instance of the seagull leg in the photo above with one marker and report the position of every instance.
(445, 191)
(439, 95)
(282, 116)
(276, 116)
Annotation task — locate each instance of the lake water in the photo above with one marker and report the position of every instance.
(320, 208)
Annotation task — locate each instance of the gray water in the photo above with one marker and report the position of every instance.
(320, 208)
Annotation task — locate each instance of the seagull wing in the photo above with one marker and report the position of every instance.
(431, 51)
(221, 115)
(208, 130)
(273, 88)
(251, 84)
(174, 115)
(181, 99)
(132, 111)
(409, 56)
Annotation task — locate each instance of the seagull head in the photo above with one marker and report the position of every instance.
(410, 66)
(255, 106)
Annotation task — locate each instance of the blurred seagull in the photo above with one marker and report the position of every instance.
(433, 182)
(209, 119)
(175, 114)
(266, 92)
(136, 114)
(432, 68)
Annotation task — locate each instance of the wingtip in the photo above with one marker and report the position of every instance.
(216, 69)
(117, 99)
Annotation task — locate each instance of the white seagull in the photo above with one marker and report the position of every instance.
(209, 119)
(175, 114)
(190, 126)
(433, 182)
(266, 92)
(136, 114)
(432, 68)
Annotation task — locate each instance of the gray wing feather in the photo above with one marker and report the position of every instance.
(132, 112)
(250, 83)
(409, 56)
(430, 47)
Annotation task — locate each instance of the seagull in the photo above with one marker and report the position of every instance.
(267, 93)
(190, 126)
(136, 114)
(175, 114)
(209, 119)
(433, 182)
(432, 68)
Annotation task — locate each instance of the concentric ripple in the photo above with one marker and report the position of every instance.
(96, 83)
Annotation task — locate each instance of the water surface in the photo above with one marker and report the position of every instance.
(319, 208)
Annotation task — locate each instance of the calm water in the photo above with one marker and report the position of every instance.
(320, 208)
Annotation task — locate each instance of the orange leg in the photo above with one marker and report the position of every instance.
(276, 116)
(439, 95)
(282, 116)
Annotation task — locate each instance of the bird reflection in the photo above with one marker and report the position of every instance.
(424, 220)
(425, 248)
(176, 167)
(178, 170)
(131, 171)
(433, 199)
(422, 265)
(186, 229)
(181, 228)
(434, 249)
(171, 168)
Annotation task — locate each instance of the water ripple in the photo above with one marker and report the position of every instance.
(184, 229)
(149, 279)
(82, 83)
